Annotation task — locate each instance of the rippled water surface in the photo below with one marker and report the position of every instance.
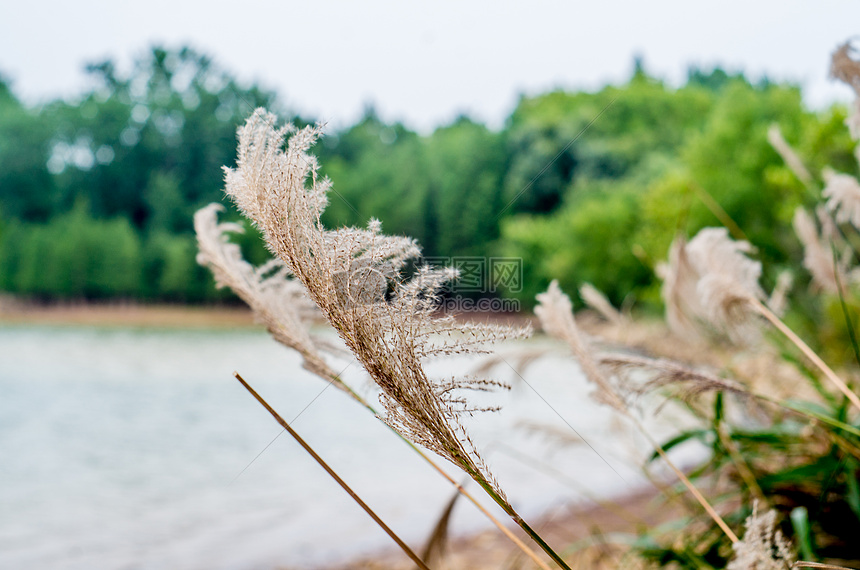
(124, 448)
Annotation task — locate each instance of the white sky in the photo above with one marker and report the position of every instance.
(426, 62)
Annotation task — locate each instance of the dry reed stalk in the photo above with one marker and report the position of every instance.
(843, 197)
(280, 303)
(688, 484)
(555, 312)
(847, 69)
(726, 283)
(808, 352)
(817, 258)
(804, 564)
(595, 299)
(718, 212)
(333, 474)
(354, 277)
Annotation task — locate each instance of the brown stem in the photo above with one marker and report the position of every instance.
(808, 352)
(689, 484)
(334, 475)
(509, 509)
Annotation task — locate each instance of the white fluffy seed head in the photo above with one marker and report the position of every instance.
(845, 67)
(762, 547)
(843, 197)
(710, 281)
(828, 274)
(355, 277)
(555, 311)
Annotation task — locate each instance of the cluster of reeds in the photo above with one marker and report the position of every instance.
(797, 454)
(799, 457)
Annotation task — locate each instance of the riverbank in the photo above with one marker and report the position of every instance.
(589, 536)
(133, 314)
(119, 314)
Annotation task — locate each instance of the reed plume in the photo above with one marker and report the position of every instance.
(729, 297)
(827, 275)
(846, 68)
(555, 312)
(355, 278)
(843, 197)
(595, 299)
(709, 282)
(762, 547)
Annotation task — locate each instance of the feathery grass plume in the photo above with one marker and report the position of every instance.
(664, 372)
(817, 257)
(277, 299)
(763, 547)
(728, 280)
(555, 312)
(710, 281)
(598, 301)
(792, 160)
(728, 289)
(843, 197)
(680, 279)
(353, 276)
(846, 68)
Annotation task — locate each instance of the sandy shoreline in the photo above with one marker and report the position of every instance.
(124, 315)
(133, 314)
(586, 535)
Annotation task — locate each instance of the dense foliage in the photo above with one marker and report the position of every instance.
(582, 186)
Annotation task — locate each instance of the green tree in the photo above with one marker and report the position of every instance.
(27, 190)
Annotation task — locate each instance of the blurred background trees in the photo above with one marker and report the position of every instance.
(97, 194)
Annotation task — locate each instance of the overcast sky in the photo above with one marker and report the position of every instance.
(426, 62)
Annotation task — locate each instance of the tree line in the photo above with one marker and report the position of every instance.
(97, 193)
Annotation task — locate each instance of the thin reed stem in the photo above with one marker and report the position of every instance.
(687, 483)
(505, 530)
(511, 512)
(803, 564)
(330, 471)
(719, 212)
(808, 352)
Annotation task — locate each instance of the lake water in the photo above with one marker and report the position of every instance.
(120, 449)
